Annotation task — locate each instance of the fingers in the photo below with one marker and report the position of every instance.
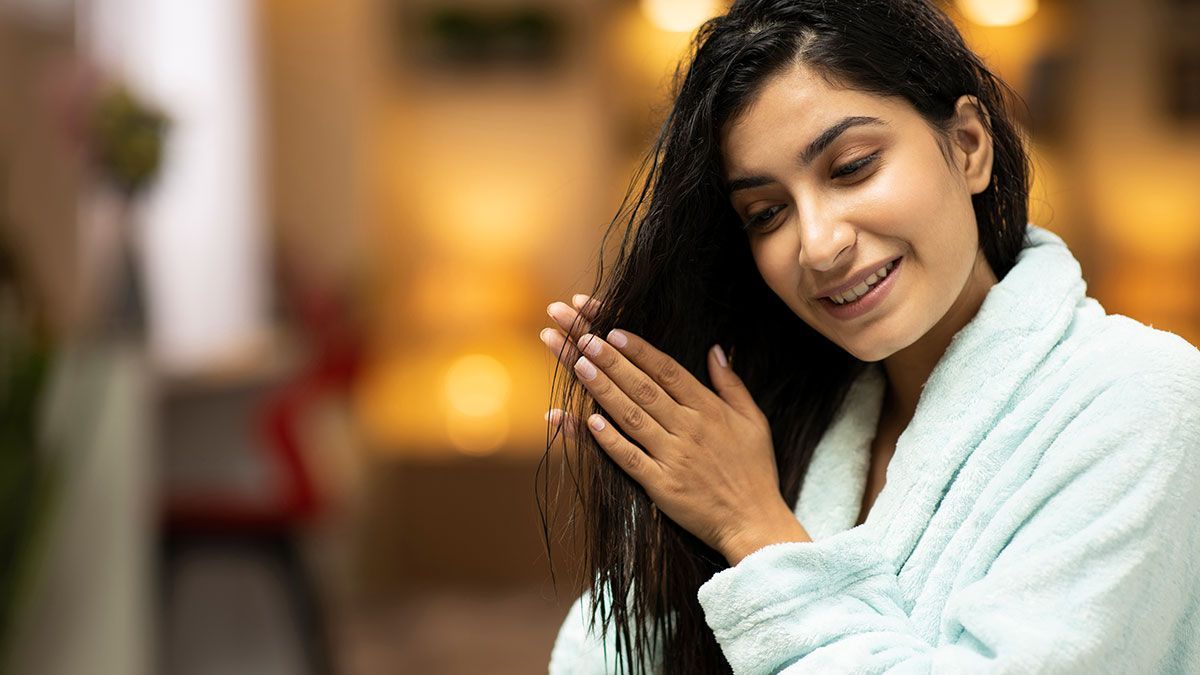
(566, 352)
(629, 415)
(563, 422)
(729, 386)
(572, 321)
(569, 319)
(629, 457)
(663, 370)
(586, 304)
(632, 382)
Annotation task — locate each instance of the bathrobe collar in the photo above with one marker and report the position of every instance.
(1021, 320)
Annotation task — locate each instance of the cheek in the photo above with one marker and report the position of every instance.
(916, 199)
(907, 189)
(776, 264)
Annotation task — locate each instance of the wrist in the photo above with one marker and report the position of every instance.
(781, 527)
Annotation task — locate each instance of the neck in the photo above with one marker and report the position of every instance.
(908, 369)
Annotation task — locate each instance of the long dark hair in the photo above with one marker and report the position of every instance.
(684, 278)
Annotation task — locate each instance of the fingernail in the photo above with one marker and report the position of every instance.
(617, 338)
(720, 356)
(585, 368)
(589, 344)
(545, 335)
(596, 422)
(579, 300)
(554, 311)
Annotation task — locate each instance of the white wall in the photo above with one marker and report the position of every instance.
(201, 226)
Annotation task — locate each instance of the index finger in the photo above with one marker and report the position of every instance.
(666, 371)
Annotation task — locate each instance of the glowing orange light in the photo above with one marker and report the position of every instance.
(477, 391)
(998, 12)
(679, 16)
(477, 385)
(477, 436)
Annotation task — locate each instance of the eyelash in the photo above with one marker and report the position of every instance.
(855, 166)
(764, 216)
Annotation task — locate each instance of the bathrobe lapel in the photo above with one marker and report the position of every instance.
(966, 396)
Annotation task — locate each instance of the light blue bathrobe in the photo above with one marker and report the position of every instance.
(1041, 511)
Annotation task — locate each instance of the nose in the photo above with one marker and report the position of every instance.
(823, 237)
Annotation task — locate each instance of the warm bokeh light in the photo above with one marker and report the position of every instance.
(998, 12)
(680, 16)
(1150, 213)
(456, 394)
(477, 385)
(486, 212)
(477, 435)
(454, 298)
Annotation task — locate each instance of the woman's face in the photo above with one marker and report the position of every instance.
(835, 184)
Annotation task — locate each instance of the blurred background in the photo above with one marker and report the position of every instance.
(272, 273)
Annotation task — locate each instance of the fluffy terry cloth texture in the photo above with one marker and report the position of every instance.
(1041, 511)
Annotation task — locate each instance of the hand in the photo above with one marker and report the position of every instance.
(583, 312)
(709, 463)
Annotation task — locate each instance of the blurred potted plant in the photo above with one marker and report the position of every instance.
(125, 148)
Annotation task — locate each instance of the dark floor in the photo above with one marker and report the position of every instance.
(452, 633)
(231, 613)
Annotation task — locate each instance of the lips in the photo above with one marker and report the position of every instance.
(857, 279)
(874, 297)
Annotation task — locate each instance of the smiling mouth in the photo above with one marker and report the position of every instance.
(853, 305)
(852, 295)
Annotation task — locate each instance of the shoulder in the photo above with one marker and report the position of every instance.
(1118, 428)
(1135, 362)
(1116, 389)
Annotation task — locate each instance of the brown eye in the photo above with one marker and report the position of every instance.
(854, 167)
(760, 219)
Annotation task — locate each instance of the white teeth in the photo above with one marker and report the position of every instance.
(861, 289)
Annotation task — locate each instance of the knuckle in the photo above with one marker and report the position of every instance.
(633, 457)
(645, 392)
(633, 418)
(705, 409)
(670, 373)
(673, 490)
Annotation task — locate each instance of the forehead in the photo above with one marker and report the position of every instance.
(789, 110)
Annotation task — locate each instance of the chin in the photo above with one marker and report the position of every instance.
(869, 355)
(873, 352)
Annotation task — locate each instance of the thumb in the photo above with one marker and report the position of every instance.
(727, 383)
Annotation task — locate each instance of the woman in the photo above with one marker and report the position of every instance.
(884, 423)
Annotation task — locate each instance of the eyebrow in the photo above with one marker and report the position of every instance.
(819, 144)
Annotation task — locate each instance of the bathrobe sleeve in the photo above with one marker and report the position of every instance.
(1096, 572)
(578, 651)
(575, 649)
